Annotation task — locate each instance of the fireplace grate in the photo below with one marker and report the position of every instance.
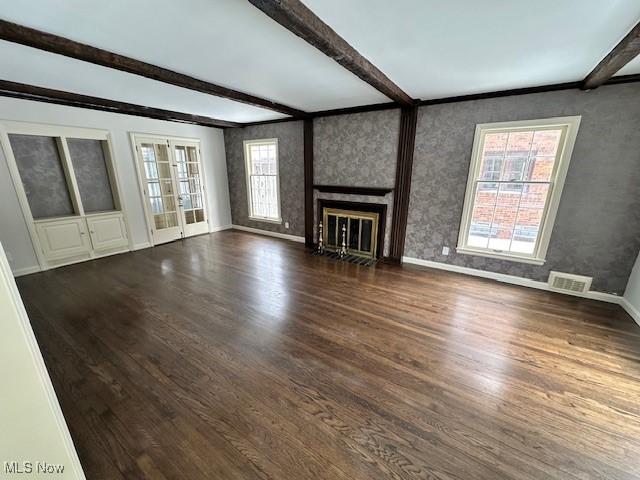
(357, 259)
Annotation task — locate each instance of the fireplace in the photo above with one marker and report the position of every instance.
(356, 231)
(363, 224)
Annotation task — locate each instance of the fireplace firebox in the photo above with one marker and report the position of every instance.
(360, 225)
(356, 232)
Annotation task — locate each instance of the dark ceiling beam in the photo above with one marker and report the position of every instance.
(48, 95)
(300, 20)
(623, 53)
(30, 37)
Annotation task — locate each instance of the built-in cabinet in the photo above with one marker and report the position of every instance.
(79, 238)
(67, 186)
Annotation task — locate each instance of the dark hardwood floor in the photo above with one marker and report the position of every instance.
(235, 356)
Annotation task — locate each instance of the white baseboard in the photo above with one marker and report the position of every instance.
(140, 246)
(26, 271)
(631, 310)
(293, 238)
(512, 279)
(220, 228)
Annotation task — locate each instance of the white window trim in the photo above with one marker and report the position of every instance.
(558, 176)
(247, 157)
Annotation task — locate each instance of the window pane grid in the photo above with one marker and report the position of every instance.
(511, 189)
(262, 171)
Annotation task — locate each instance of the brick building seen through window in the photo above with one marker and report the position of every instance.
(512, 188)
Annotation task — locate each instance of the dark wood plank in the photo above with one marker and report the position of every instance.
(59, 97)
(404, 167)
(232, 355)
(626, 50)
(300, 20)
(308, 182)
(376, 107)
(353, 190)
(31, 37)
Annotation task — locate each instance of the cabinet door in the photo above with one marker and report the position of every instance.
(107, 231)
(63, 238)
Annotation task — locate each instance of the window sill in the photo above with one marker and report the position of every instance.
(266, 220)
(500, 256)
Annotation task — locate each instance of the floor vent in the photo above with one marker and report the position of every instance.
(568, 283)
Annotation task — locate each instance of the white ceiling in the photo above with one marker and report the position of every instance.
(435, 49)
(430, 48)
(36, 67)
(228, 42)
(633, 67)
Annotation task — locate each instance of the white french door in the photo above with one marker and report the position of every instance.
(190, 187)
(172, 182)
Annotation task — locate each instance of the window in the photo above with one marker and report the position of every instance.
(263, 183)
(515, 181)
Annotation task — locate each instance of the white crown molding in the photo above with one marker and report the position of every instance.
(293, 238)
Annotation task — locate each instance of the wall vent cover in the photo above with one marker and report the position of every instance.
(568, 283)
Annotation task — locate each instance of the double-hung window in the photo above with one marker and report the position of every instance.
(513, 191)
(263, 182)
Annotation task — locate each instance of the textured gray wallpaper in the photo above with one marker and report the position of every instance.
(290, 137)
(597, 229)
(359, 149)
(91, 174)
(42, 175)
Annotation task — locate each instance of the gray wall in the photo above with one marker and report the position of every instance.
(290, 137)
(359, 149)
(597, 230)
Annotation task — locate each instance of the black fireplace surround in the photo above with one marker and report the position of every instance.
(379, 208)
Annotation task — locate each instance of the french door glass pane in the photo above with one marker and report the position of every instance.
(169, 203)
(156, 204)
(92, 176)
(172, 219)
(159, 184)
(166, 220)
(194, 170)
(189, 183)
(42, 175)
(154, 189)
